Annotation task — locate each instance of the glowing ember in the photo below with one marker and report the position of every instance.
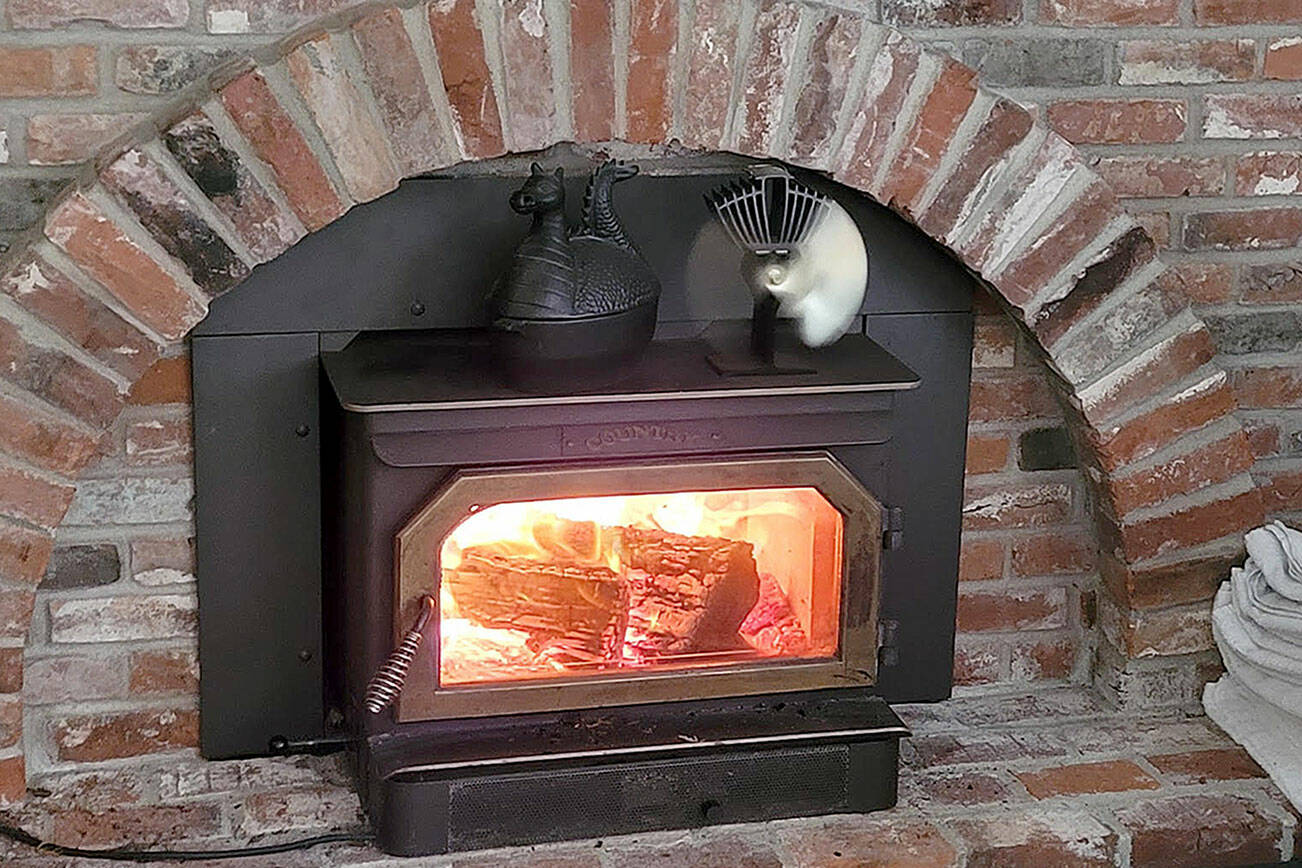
(569, 587)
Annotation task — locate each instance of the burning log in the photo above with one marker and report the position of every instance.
(570, 611)
(686, 593)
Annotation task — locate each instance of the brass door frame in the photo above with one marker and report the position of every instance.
(469, 490)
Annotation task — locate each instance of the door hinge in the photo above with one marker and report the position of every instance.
(893, 528)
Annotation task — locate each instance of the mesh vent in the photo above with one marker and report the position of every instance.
(541, 806)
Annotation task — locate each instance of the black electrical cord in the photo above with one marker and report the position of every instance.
(126, 854)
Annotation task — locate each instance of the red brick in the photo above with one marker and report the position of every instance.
(166, 382)
(1149, 62)
(980, 559)
(401, 92)
(1201, 766)
(873, 121)
(1012, 398)
(1020, 609)
(1259, 229)
(1046, 660)
(1268, 173)
(355, 141)
(125, 269)
(986, 453)
(1117, 263)
(1282, 492)
(941, 112)
(1040, 178)
(592, 69)
(1141, 436)
(57, 377)
(1271, 283)
(994, 342)
(1011, 506)
(877, 839)
(13, 779)
(770, 60)
(1284, 59)
(1183, 580)
(1157, 224)
(154, 672)
(1151, 370)
(1191, 526)
(1145, 177)
(282, 810)
(1119, 121)
(1184, 474)
(49, 14)
(1053, 554)
(155, 442)
(1252, 116)
(119, 826)
(709, 72)
(36, 435)
(1268, 387)
(961, 787)
(15, 613)
(48, 293)
(64, 139)
(115, 735)
(978, 663)
(653, 37)
(75, 678)
(1077, 13)
(279, 143)
(833, 53)
(222, 175)
(1202, 282)
(33, 498)
(466, 77)
(1247, 11)
(1115, 776)
(1080, 225)
(57, 70)
(11, 670)
(266, 16)
(1020, 839)
(11, 720)
(1200, 831)
(1263, 437)
(530, 104)
(174, 222)
(1006, 126)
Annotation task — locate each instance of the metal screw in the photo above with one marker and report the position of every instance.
(417, 308)
(305, 655)
(302, 430)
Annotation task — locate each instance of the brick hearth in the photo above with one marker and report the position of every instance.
(1052, 778)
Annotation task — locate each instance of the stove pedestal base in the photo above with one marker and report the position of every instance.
(424, 799)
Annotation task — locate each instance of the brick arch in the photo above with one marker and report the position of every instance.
(129, 257)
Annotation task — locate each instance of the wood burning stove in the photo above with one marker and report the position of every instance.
(663, 599)
(681, 538)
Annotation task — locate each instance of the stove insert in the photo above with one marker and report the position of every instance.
(679, 550)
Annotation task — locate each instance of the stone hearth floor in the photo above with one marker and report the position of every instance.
(1046, 779)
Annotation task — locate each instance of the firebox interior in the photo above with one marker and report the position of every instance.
(587, 586)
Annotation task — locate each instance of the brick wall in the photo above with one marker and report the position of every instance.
(1163, 462)
(1192, 110)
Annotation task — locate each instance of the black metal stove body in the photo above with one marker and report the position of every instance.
(299, 478)
(414, 409)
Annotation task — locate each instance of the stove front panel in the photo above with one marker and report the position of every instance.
(576, 586)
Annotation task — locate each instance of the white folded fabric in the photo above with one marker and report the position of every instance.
(1276, 550)
(1256, 601)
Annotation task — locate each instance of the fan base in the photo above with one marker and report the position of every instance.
(741, 364)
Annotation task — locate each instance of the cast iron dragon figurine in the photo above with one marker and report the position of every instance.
(577, 294)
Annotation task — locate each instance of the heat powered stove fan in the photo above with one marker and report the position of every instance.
(804, 259)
